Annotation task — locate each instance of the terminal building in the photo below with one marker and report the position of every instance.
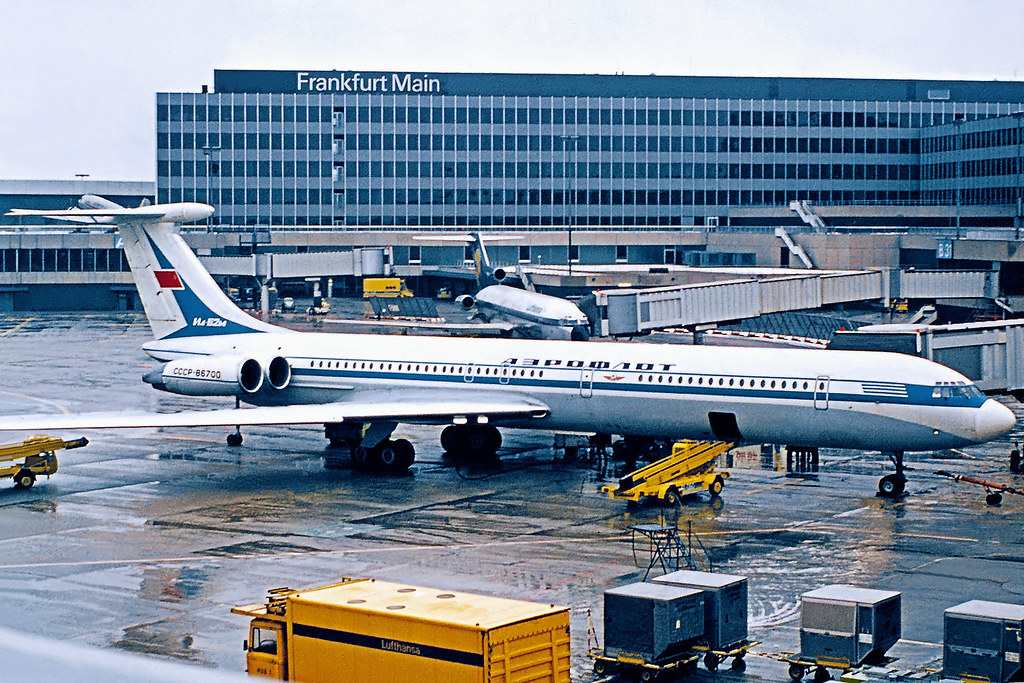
(320, 166)
(394, 149)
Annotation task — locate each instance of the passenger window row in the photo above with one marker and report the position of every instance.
(751, 383)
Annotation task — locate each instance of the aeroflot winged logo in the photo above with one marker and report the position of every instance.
(168, 279)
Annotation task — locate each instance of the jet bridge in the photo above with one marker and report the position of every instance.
(990, 353)
(628, 311)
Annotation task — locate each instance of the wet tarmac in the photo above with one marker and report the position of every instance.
(144, 540)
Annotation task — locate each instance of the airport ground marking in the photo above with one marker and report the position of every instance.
(772, 486)
(345, 551)
(44, 401)
(8, 331)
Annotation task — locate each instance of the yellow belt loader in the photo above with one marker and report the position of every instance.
(689, 469)
(33, 457)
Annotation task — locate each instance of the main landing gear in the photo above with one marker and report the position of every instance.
(367, 447)
(471, 442)
(893, 484)
(391, 455)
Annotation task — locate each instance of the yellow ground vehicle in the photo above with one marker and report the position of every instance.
(689, 469)
(33, 457)
(366, 630)
(385, 287)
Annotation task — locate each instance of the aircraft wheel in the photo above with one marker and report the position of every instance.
(891, 485)
(493, 438)
(388, 454)
(475, 440)
(482, 440)
(24, 479)
(397, 455)
(234, 440)
(796, 672)
(361, 457)
(711, 661)
(449, 438)
(716, 487)
(994, 498)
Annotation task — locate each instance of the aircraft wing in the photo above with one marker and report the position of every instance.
(416, 408)
(93, 215)
(452, 329)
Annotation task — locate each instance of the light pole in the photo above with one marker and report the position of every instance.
(570, 191)
(957, 146)
(82, 177)
(208, 151)
(1019, 161)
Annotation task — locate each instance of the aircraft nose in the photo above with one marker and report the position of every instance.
(993, 419)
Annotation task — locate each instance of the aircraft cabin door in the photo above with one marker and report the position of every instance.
(587, 383)
(506, 373)
(821, 393)
(468, 377)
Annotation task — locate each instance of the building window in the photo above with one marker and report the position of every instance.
(524, 254)
(621, 253)
(414, 255)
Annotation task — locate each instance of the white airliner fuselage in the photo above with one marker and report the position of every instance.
(842, 399)
(361, 386)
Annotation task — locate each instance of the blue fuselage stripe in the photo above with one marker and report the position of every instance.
(914, 394)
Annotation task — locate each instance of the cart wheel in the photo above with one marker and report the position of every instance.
(821, 675)
(994, 498)
(739, 664)
(24, 479)
(647, 675)
(673, 498)
(600, 667)
(796, 672)
(716, 487)
(711, 661)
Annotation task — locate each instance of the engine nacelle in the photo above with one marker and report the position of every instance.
(466, 300)
(212, 376)
(279, 372)
(500, 274)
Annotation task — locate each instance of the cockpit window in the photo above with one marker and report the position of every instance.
(956, 390)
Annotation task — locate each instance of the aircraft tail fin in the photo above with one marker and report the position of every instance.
(486, 274)
(180, 297)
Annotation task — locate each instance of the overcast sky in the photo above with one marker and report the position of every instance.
(79, 78)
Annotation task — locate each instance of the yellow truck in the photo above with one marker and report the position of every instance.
(33, 457)
(389, 287)
(367, 630)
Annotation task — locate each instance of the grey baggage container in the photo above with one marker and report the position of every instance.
(725, 604)
(848, 624)
(651, 621)
(983, 639)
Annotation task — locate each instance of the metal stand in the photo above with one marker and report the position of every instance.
(664, 548)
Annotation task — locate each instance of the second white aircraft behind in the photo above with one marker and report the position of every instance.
(361, 386)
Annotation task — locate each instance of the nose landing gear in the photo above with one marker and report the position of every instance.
(894, 484)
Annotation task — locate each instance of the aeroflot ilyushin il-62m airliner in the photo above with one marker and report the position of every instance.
(361, 386)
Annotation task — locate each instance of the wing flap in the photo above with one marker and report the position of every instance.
(423, 410)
